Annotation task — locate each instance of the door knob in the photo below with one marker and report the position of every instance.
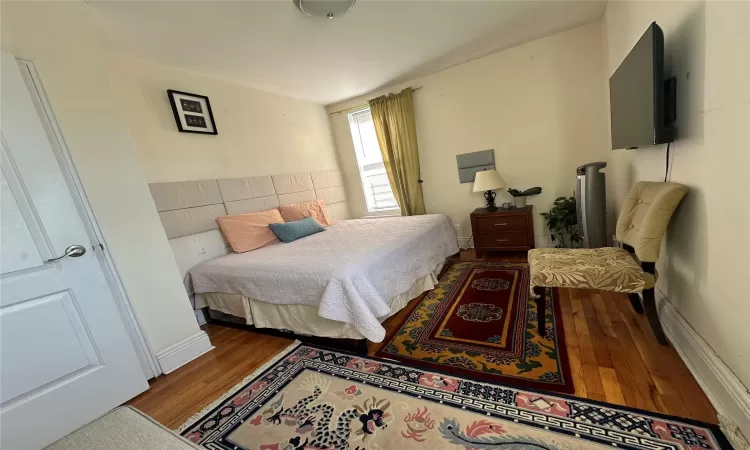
(74, 251)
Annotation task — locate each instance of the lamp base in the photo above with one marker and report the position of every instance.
(490, 197)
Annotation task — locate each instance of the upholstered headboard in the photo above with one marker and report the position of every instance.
(187, 209)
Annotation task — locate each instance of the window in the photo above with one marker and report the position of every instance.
(378, 193)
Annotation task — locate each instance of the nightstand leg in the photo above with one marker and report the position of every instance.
(479, 254)
(541, 308)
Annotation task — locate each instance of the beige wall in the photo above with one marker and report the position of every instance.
(704, 270)
(540, 105)
(58, 37)
(259, 133)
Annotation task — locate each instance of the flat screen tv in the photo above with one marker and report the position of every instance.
(641, 100)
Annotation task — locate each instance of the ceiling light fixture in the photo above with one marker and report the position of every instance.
(328, 9)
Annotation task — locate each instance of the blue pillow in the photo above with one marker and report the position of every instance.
(291, 231)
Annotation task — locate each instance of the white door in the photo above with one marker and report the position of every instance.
(65, 357)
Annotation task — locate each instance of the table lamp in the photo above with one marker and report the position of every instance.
(488, 180)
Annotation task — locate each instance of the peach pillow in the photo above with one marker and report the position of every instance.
(298, 211)
(247, 232)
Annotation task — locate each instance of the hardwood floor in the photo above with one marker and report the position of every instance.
(614, 357)
(172, 399)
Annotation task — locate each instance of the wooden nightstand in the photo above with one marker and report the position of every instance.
(502, 230)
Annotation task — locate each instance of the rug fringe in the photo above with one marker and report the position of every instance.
(197, 416)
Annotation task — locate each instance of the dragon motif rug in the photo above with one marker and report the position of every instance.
(479, 323)
(314, 398)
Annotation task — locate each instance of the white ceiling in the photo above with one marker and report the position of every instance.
(272, 46)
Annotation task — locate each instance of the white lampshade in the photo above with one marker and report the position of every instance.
(488, 180)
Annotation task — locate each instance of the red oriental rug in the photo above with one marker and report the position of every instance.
(478, 323)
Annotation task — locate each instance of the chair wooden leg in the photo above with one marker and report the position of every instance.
(635, 302)
(649, 301)
(541, 308)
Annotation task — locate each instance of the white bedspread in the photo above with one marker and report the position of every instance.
(347, 272)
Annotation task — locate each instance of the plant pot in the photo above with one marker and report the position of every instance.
(519, 202)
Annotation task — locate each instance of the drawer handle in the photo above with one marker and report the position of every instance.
(502, 240)
(501, 224)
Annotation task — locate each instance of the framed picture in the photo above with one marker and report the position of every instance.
(192, 112)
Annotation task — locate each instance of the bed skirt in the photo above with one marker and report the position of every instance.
(303, 319)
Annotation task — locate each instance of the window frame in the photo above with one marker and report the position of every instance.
(376, 213)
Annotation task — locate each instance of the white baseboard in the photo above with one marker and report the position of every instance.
(465, 242)
(181, 353)
(543, 242)
(725, 391)
(539, 242)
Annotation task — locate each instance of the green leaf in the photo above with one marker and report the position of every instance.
(532, 191)
(562, 222)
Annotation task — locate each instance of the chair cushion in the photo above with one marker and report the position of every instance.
(645, 215)
(606, 269)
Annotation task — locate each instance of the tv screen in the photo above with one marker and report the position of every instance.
(636, 95)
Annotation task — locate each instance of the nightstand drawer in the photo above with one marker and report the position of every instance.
(495, 224)
(502, 239)
(509, 230)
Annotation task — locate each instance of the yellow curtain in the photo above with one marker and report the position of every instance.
(396, 129)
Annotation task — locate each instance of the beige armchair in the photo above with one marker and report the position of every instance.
(640, 228)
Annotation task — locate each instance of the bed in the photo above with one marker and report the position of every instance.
(341, 283)
(374, 267)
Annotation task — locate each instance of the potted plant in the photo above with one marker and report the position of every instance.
(519, 198)
(562, 222)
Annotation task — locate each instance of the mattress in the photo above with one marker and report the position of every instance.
(348, 273)
(300, 319)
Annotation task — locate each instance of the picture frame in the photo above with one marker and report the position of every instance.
(192, 112)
